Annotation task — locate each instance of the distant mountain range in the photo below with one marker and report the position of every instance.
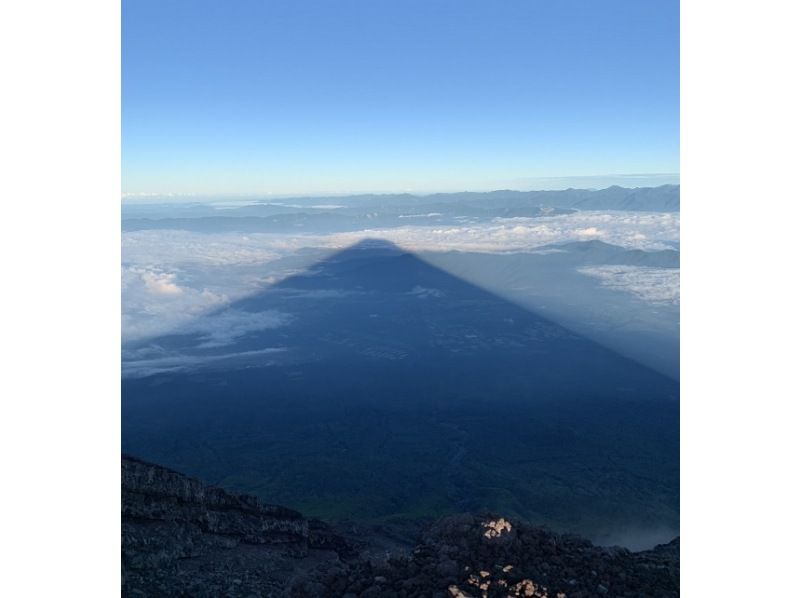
(665, 198)
(330, 214)
(599, 252)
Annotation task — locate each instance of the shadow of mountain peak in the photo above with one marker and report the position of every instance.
(373, 244)
(374, 302)
(374, 384)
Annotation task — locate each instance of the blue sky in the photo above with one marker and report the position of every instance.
(293, 97)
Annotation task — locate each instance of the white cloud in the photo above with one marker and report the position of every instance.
(148, 311)
(425, 292)
(225, 327)
(654, 285)
(632, 230)
(164, 247)
(591, 231)
(318, 293)
(201, 311)
(160, 283)
(135, 368)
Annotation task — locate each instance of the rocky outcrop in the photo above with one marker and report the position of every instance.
(489, 556)
(183, 538)
(154, 493)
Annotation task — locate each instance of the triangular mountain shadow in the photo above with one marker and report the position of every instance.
(374, 298)
(375, 384)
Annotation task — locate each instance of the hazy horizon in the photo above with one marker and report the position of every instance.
(588, 182)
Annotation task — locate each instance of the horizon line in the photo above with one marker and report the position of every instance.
(244, 195)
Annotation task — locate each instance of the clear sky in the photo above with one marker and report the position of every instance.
(339, 96)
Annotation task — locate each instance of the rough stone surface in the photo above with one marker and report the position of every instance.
(153, 493)
(182, 538)
(457, 558)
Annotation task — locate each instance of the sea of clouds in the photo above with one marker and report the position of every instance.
(171, 277)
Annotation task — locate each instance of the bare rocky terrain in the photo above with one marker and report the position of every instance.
(183, 538)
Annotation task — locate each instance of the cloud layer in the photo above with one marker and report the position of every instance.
(654, 285)
(134, 367)
(172, 277)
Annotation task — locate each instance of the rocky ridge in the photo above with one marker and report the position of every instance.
(183, 538)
